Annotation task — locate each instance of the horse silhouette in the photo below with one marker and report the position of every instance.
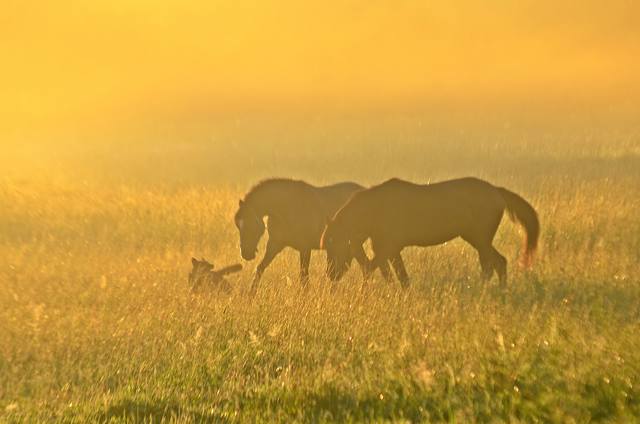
(296, 215)
(397, 214)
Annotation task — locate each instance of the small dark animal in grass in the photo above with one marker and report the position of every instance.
(203, 274)
(296, 215)
(397, 214)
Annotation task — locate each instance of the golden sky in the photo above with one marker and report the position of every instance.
(101, 60)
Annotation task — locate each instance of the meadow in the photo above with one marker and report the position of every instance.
(97, 323)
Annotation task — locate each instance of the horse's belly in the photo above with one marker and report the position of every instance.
(431, 239)
(304, 241)
(426, 230)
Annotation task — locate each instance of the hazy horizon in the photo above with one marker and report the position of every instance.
(76, 68)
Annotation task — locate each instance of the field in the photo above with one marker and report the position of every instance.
(97, 322)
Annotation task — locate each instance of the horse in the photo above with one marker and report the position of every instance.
(203, 273)
(397, 214)
(296, 214)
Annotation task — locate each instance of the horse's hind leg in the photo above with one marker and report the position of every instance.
(399, 268)
(486, 263)
(500, 266)
(492, 261)
(482, 238)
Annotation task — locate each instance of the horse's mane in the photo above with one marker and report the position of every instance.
(273, 181)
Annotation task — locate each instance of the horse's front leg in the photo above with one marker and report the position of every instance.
(381, 258)
(382, 262)
(273, 248)
(305, 259)
(363, 261)
(401, 272)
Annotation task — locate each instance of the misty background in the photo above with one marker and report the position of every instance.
(234, 91)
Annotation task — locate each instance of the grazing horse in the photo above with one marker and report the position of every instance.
(397, 214)
(296, 215)
(203, 273)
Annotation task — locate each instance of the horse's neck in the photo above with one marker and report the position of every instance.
(353, 220)
(266, 202)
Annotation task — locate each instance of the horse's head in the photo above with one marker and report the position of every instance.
(200, 273)
(251, 227)
(338, 249)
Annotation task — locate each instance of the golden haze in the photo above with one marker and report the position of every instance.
(77, 65)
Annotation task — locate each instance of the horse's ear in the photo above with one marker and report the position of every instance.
(194, 261)
(240, 202)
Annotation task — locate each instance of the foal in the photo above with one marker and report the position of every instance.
(203, 273)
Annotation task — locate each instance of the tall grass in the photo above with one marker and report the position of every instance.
(97, 322)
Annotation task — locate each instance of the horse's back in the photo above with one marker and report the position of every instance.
(450, 208)
(335, 195)
(461, 187)
(346, 187)
(465, 182)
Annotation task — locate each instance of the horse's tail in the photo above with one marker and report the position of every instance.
(522, 212)
(229, 269)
